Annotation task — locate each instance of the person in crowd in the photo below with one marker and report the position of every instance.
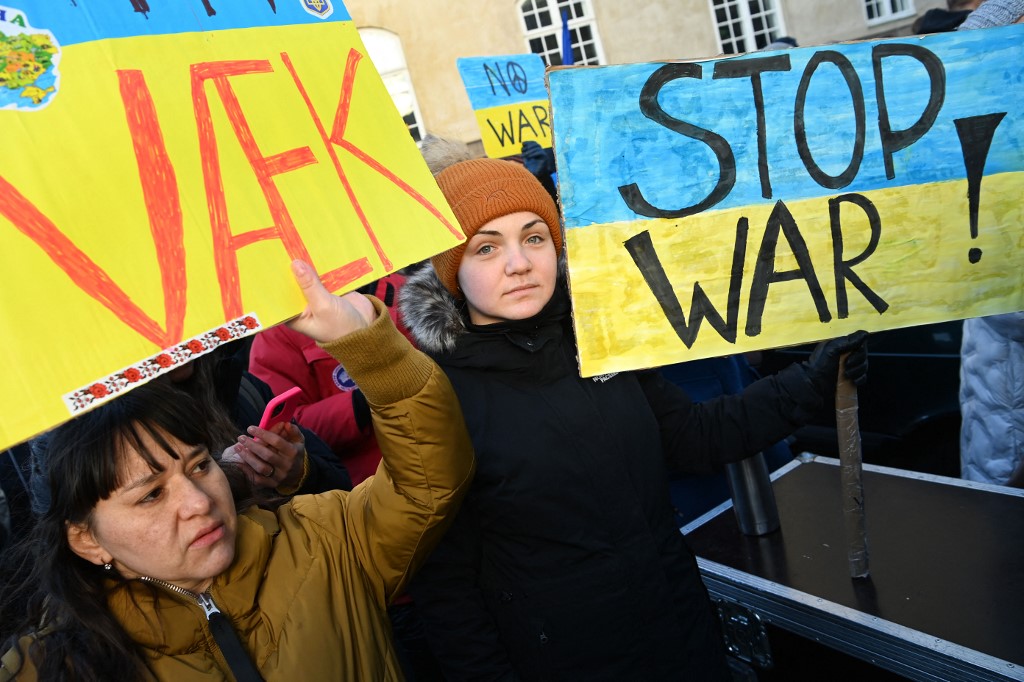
(992, 355)
(564, 561)
(332, 404)
(938, 20)
(149, 564)
(540, 161)
(992, 13)
(992, 399)
(15, 500)
(781, 43)
(235, 399)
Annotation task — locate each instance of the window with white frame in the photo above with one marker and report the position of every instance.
(747, 25)
(542, 27)
(385, 51)
(878, 11)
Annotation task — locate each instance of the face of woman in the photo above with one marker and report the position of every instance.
(509, 268)
(177, 525)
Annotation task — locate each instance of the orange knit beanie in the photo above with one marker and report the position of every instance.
(481, 190)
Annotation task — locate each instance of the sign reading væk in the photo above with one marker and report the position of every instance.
(165, 165)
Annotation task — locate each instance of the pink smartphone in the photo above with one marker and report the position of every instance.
(281, 408)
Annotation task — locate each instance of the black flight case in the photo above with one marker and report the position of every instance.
(944, 599)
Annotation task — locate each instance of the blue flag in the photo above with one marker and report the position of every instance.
(567, 58)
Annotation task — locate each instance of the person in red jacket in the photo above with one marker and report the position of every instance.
(333, 406)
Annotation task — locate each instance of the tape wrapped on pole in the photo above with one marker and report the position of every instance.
(852, 486)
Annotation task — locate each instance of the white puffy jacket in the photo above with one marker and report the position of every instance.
(992, 397)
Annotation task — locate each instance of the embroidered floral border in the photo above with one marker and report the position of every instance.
(161, 363)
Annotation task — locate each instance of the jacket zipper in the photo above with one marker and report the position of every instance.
(224, 635)
(205, 600)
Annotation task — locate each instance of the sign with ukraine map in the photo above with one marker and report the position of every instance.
(165, 162)
(785, 197)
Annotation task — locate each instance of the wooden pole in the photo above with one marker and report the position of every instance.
(851, 469)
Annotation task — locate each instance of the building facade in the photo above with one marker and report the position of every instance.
(415, 43)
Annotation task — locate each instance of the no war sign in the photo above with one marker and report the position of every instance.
(509, 100)
(164, 162)
(784, 197)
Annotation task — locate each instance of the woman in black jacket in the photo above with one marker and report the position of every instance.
(564, 561)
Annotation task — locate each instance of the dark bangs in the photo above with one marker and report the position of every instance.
(84, 459)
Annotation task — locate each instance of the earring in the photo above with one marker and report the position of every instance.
(107, 566)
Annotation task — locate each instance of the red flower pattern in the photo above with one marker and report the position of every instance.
(166, 360)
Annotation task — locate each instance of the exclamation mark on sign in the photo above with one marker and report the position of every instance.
(975, 134)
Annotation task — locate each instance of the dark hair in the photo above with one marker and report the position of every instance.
(48, 591)
(214, 385)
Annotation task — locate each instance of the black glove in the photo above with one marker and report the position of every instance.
(823, 365)
(538, 160)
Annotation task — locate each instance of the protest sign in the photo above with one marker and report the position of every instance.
(784, 197)
(509, 99)
(164, 163)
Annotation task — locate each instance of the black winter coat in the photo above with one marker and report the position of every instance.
(564, 562)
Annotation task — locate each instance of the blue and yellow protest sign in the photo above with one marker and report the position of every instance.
(510, 100)
(784, 197)
(165, 162)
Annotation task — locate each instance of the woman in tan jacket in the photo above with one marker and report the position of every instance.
(143, 569)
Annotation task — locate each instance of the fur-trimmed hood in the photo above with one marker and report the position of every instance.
(430, 312)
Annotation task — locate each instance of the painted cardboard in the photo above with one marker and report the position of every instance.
(509, 99)
(164, 164)
(784, 197)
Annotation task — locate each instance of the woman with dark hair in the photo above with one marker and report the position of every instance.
(150, 563)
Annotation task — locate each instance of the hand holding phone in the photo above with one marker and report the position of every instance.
(281, 408)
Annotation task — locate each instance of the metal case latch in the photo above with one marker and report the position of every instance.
(745, 635)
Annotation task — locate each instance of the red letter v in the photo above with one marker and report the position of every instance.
(163, 206)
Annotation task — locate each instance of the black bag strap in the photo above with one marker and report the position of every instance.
(238, 660)
(227, 640)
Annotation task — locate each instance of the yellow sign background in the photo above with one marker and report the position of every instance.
(920, 267)
(74, 161)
